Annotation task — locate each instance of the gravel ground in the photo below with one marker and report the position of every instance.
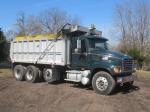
(17, 96)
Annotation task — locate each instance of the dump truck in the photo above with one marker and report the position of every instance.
(76, 53)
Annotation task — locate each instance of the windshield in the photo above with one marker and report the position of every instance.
(97, 44)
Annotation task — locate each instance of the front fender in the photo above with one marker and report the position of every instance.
(105, 68)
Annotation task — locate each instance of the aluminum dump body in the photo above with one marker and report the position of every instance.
(38, 50)
(28, 50)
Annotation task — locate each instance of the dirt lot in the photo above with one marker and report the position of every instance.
(16, 96)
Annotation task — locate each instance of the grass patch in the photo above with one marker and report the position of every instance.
(5, 72)
(143, 73)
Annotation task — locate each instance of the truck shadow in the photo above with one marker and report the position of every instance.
(116, 91)
(86, 87)
(79, 85)
(125, 90)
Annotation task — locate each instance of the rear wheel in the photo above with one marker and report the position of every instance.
(32, 74)
(103, 83)
(47, 74)
(19, 72)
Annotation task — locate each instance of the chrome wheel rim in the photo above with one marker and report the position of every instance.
(49, 74)
(18, 73)
(102, 83)
(30, 74)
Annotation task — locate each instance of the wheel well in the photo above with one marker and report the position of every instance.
(40, 67)
(97, 70)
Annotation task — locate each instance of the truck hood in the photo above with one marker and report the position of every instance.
(110, 53)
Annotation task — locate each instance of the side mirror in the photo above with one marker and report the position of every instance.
(77, 50)
(78, 44)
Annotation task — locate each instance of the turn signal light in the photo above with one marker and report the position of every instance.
(82, 68)
(116, 70)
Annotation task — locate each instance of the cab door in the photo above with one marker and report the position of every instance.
(79, 59)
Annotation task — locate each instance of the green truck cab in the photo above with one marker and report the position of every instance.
(107, 68)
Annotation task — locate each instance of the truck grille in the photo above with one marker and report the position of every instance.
(128, 64)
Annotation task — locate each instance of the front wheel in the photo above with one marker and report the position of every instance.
(103, 83)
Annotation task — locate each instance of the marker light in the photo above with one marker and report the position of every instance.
(117, 69)
(92, 26)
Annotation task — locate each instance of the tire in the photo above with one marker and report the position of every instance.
(19, 72)
(126, 85)
(103, 83)
(47, 74)
(32, 74)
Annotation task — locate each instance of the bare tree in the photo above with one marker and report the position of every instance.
(48, 21)
(10, 34)
(33, 26)
(18, 28)
(53, 19)
(131, 21)
(75, 20)
(20, 24)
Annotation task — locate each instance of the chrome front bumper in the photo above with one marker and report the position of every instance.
(127, 78)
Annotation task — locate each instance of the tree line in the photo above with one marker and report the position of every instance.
(131, 28)
(4, 47)
(46, 22)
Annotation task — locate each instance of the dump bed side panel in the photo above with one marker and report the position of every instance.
(28, 51)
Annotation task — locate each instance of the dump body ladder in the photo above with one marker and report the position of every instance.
(51, 43)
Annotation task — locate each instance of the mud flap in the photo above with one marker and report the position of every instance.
(55, 74)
